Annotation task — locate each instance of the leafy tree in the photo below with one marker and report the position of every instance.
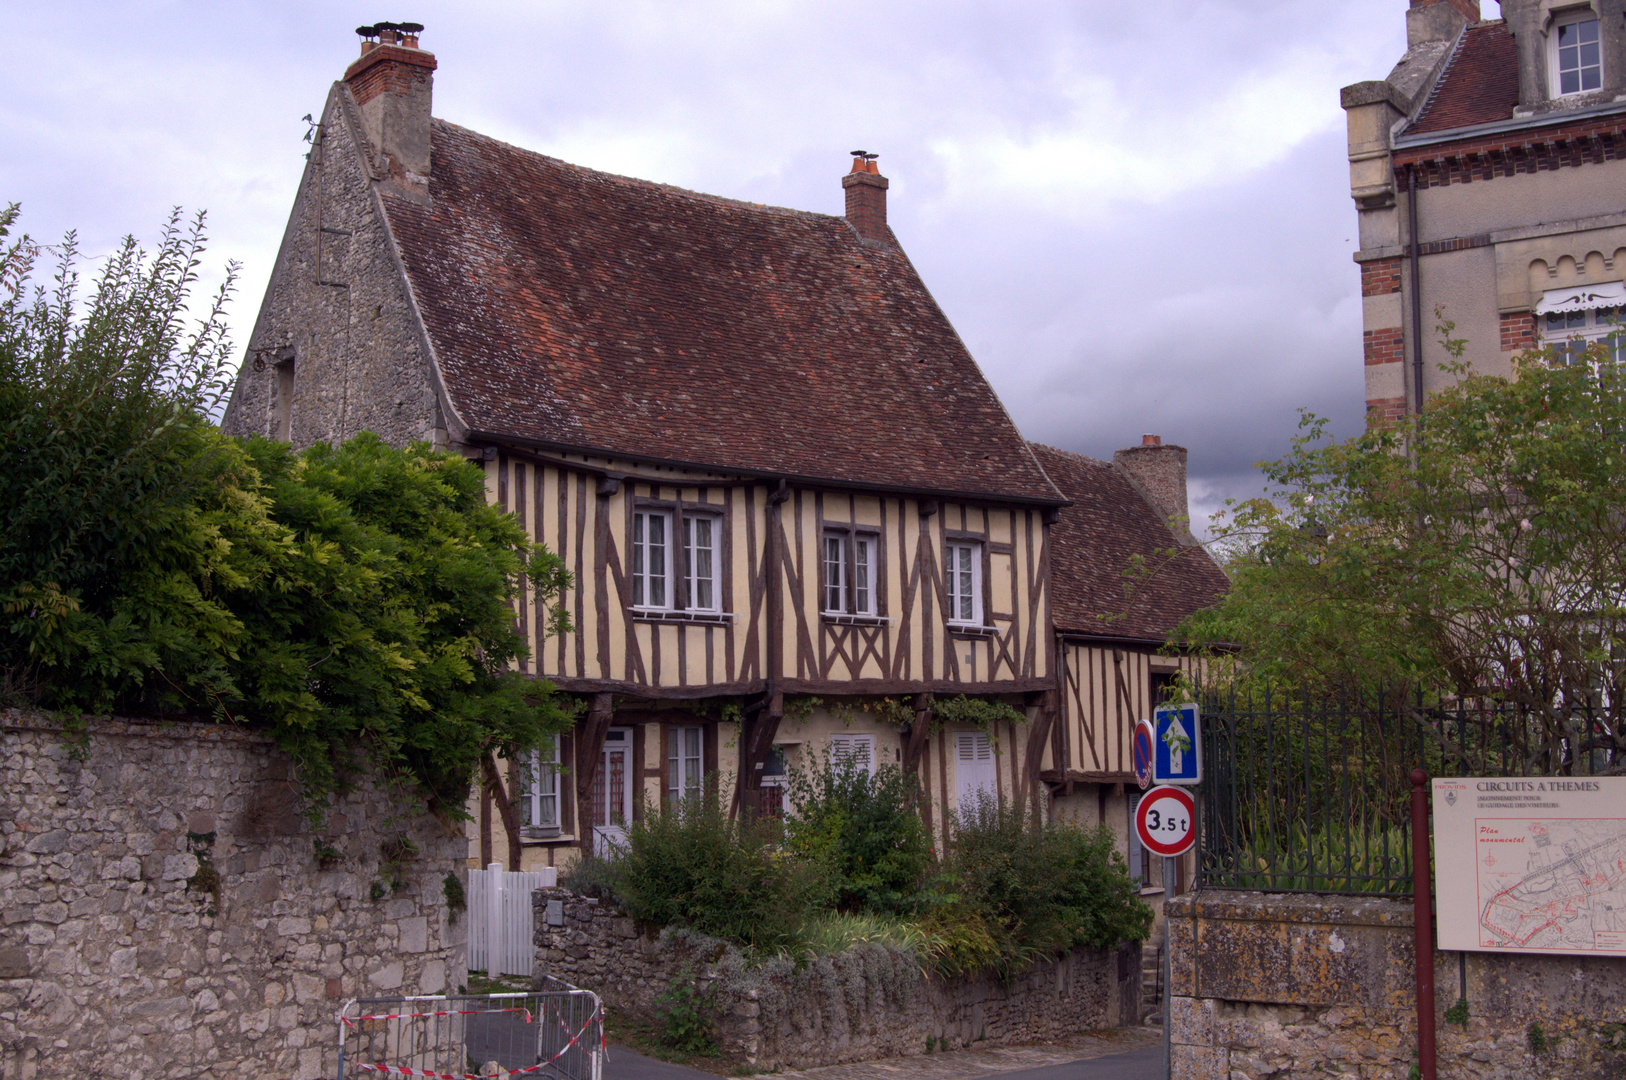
(124, 512)
(1474, 553)
(354, 601)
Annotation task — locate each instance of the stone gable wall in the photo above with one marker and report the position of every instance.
(338, 301)
(118, 957)
(1267, 985)
(870, 1002)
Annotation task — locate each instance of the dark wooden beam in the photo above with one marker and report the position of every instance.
(590, 734)
(498, 794)
(757, 743)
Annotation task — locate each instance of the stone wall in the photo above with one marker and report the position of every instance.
(870, 1002)
(166, 912)
(1292, 984)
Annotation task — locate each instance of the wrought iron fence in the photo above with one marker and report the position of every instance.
(1312, 795)
(557, 1031)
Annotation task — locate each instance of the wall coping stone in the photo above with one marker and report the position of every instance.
(1310, 908)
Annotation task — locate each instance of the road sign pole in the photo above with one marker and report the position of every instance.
(1168, 970)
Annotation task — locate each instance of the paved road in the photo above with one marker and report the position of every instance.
(1143, 1063)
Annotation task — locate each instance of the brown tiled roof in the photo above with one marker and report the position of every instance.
(1480, 82)
(578, 309)
(1094, 543)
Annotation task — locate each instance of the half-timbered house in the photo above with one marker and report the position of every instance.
(795, 511)
(1125, 571)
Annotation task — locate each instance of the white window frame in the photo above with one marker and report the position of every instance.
(679, 560)
(1573, 17)
(685, 771)
(646, 580)
(1569, 333)
(847, 745)
(849, 562)
(543, 790)
(955, 582)
(693, 564)
(976, 767)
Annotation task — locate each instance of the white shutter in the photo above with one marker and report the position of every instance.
(974, 768)
(858, 749)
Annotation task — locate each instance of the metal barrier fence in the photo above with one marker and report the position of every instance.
(557, 1031)
(1312, 795)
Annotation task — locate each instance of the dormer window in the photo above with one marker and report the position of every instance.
(1574, 54)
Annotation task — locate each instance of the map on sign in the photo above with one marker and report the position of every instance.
(1531, 865)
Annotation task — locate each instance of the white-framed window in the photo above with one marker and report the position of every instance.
(1571, 320)
(854, 750)
(974, 765)
(685, 762)
(963, 580)
(1574, 53)
(664, 577)
(652, 559)
(544, 786)
(700, 562)
(849, 573)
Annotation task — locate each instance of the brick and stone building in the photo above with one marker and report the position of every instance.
(795, 510)
(1487, 172)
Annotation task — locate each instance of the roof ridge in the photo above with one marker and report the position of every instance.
(637, 182)
(1440, 79)
(1071, 453)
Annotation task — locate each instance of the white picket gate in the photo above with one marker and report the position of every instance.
(501, 926)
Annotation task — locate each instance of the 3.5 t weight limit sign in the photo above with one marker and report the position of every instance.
(1165, 819)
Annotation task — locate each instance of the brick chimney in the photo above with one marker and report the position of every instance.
(1158, 472)
(866, 198)
(1438, 20)
(392, 84)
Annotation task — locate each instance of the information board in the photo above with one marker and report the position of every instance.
(1535, 865)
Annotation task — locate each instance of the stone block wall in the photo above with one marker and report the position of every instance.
(166, 912)
(870, 1002)
(1270, 985)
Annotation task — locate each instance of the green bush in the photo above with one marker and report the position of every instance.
(354, 601)
(866, 827)
(689, 864)
(1042, 888)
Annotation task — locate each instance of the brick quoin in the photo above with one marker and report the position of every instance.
(1385, 346)
(1513, 152)
(1385, 410)
(1380, 277)
(1518, 331)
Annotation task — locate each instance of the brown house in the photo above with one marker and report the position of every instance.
(784, 487)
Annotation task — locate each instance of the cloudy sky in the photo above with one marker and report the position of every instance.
(1137, 215)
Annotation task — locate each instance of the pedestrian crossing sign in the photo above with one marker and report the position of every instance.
(1177, 750)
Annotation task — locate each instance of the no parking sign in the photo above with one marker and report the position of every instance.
(1142, 753)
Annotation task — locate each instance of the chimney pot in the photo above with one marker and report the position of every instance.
(1151, 440)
